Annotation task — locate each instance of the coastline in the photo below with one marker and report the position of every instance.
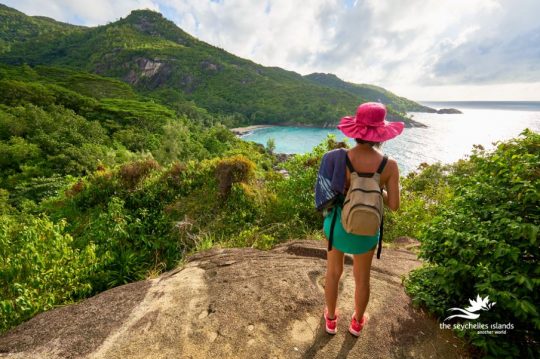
(242, 131)
(247, 130)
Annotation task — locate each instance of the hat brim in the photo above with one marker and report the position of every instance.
(389, 130)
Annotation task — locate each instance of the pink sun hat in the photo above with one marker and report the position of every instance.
(369, 124)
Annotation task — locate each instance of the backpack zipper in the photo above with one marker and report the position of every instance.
(366, 190)
(364, 205)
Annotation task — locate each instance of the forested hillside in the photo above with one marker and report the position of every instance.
(374, 93)
(163, 62)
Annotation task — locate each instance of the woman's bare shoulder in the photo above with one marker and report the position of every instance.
(392, 163)
(391, 167)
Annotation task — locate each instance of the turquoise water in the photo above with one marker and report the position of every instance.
(446, 139)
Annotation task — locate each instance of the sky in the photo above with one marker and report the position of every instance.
(425, 50)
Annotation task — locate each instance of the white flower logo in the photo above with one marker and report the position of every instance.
(476, 305)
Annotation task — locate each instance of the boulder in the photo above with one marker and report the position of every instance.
(283, 157)
(241, 303)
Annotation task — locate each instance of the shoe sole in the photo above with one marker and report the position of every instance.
(330, 331)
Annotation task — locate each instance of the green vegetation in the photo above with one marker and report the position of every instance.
(48, 131)
(39, 267)
(271, 145)
(422, 194)
(481, 238)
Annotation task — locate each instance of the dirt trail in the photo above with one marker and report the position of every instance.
(239, 303)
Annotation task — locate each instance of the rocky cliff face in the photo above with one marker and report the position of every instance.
(239, 303)
(143, 68)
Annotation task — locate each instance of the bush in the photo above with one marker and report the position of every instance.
(422, 194)
(133, 173)
(38, 267)
(483, 241)
(233, 170)
(290, 207)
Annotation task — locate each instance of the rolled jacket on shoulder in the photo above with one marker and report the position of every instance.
(330, 182)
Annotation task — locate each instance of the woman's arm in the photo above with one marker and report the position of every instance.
(391, 194)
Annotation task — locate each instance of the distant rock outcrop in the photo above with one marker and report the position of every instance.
(449, 111)
(241, 303)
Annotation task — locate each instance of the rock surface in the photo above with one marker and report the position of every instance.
(241, 303)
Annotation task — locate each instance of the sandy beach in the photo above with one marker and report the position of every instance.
(244, 130)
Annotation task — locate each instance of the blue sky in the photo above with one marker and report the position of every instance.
(420, 49)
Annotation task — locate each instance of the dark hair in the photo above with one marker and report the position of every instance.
(371, 143)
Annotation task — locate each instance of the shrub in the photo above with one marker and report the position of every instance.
(132, 173)
(173, 176)
(39, 268)
(293, 204)
(422, 194)
(233, 170)
(483, 241)
(75, 189)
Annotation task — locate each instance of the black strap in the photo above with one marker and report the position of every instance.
(383, 163)
(331, 239)
(379, 170)
(379, 248)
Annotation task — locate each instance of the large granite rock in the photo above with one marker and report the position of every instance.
(239, 303)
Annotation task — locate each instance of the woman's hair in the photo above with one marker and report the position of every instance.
(371, 143)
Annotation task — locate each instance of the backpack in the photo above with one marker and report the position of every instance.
(363, 206)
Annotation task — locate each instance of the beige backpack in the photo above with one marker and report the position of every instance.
(363, 207)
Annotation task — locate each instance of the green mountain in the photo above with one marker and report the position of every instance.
(400, 104)
(163, 62)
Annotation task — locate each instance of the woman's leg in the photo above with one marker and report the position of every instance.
(334, 268)
(361, 271)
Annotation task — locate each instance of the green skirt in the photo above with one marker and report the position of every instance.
(348, 242)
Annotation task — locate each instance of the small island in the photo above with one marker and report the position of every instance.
(449, 111)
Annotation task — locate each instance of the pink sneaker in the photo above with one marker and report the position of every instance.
(356, 327)
(331, 324)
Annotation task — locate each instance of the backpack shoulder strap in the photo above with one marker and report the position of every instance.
(332, 226)
(383, 164)
(381, 229)
(349, 164)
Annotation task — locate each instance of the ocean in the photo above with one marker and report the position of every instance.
(447, 137)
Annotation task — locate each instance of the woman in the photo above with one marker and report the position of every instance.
(369, 129)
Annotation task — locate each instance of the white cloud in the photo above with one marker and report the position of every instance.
(411, 45)
(88, 13)
(515, 91)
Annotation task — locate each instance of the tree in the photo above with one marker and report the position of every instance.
(271, 145)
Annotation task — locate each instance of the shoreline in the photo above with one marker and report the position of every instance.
(241, 131)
